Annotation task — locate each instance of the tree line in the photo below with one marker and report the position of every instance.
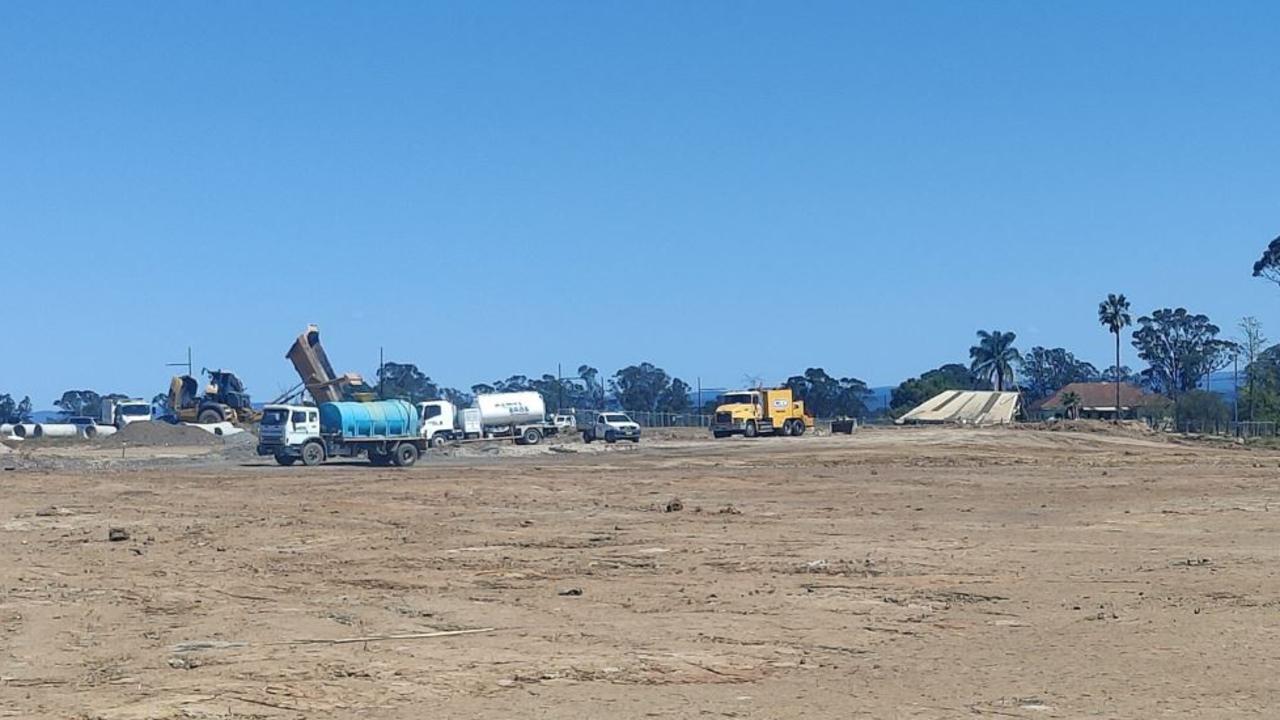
(644, 387)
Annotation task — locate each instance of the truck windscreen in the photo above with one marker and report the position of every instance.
(275, 417)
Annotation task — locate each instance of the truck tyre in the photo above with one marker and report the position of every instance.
(717, 434)
(438, 441)
(531, 436)
(610, 437)
(312, 454)
(588, 436)
(285, 460)
(209, 416)
(636, 440)
(380, 458)
(797, 429)
(750, 429)
(406, 454)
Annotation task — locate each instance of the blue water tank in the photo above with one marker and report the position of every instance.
(385, 418)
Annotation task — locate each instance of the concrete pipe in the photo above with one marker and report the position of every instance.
(220, 429)
(6, 429)
(24, 430)
(56, 430)
(228, 430)
(105, 430)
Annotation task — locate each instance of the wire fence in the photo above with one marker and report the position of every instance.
(649, 419)
(654, 419)
(1229, 428)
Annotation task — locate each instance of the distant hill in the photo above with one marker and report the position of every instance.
(1222, 383)
(879, 399)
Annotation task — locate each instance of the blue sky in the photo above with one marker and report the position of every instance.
(721, 188)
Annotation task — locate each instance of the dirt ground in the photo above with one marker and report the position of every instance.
(933, 573)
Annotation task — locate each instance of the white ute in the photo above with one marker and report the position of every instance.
(612, 427)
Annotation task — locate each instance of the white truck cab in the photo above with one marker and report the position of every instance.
(119, 413)
(612, 427)
(285, 429)
(443, 421)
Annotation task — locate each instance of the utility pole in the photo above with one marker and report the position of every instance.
(381, 364)
(188, 363)
(1235, 380)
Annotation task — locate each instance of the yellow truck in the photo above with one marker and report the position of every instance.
(764, 411)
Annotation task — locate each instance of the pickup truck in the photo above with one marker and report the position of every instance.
(612, 427)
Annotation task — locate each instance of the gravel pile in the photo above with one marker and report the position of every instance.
(159, 434)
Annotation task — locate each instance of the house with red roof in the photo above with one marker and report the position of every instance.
(1097, 401)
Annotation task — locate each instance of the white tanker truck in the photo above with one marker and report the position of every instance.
(519, 415)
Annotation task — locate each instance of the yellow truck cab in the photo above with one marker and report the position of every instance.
(763, 411)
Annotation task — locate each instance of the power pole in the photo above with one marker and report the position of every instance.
(1235, 380)
(188, 363)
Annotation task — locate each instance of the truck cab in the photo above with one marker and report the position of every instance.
(763, 411)
(441, 421)
(119, 413)
(285, 429)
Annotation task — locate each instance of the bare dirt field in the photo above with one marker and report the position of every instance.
(935, 573)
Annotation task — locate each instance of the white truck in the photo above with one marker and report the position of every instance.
(519, 415)
(118, 413)
(611, 427)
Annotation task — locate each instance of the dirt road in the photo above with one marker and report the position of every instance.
(894, 574)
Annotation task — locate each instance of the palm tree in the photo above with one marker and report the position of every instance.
(1071, 403)
(994, 355)
(1113, 313)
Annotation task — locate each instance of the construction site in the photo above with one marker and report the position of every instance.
(929, 572)
(619, 361)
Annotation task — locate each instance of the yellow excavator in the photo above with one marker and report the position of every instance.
(224, 399)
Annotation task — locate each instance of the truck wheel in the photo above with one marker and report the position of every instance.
(380, 458)
(406, 455)
(797, 429)
(312, 454)
(285, 460)
(588, 436)
(532, 436)
(610, 437)
(209, 416)
(719, 435)
(750, 429)
(635, 440)
(438, 441)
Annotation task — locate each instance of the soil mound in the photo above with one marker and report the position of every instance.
(159, 434)
(1106, 427)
